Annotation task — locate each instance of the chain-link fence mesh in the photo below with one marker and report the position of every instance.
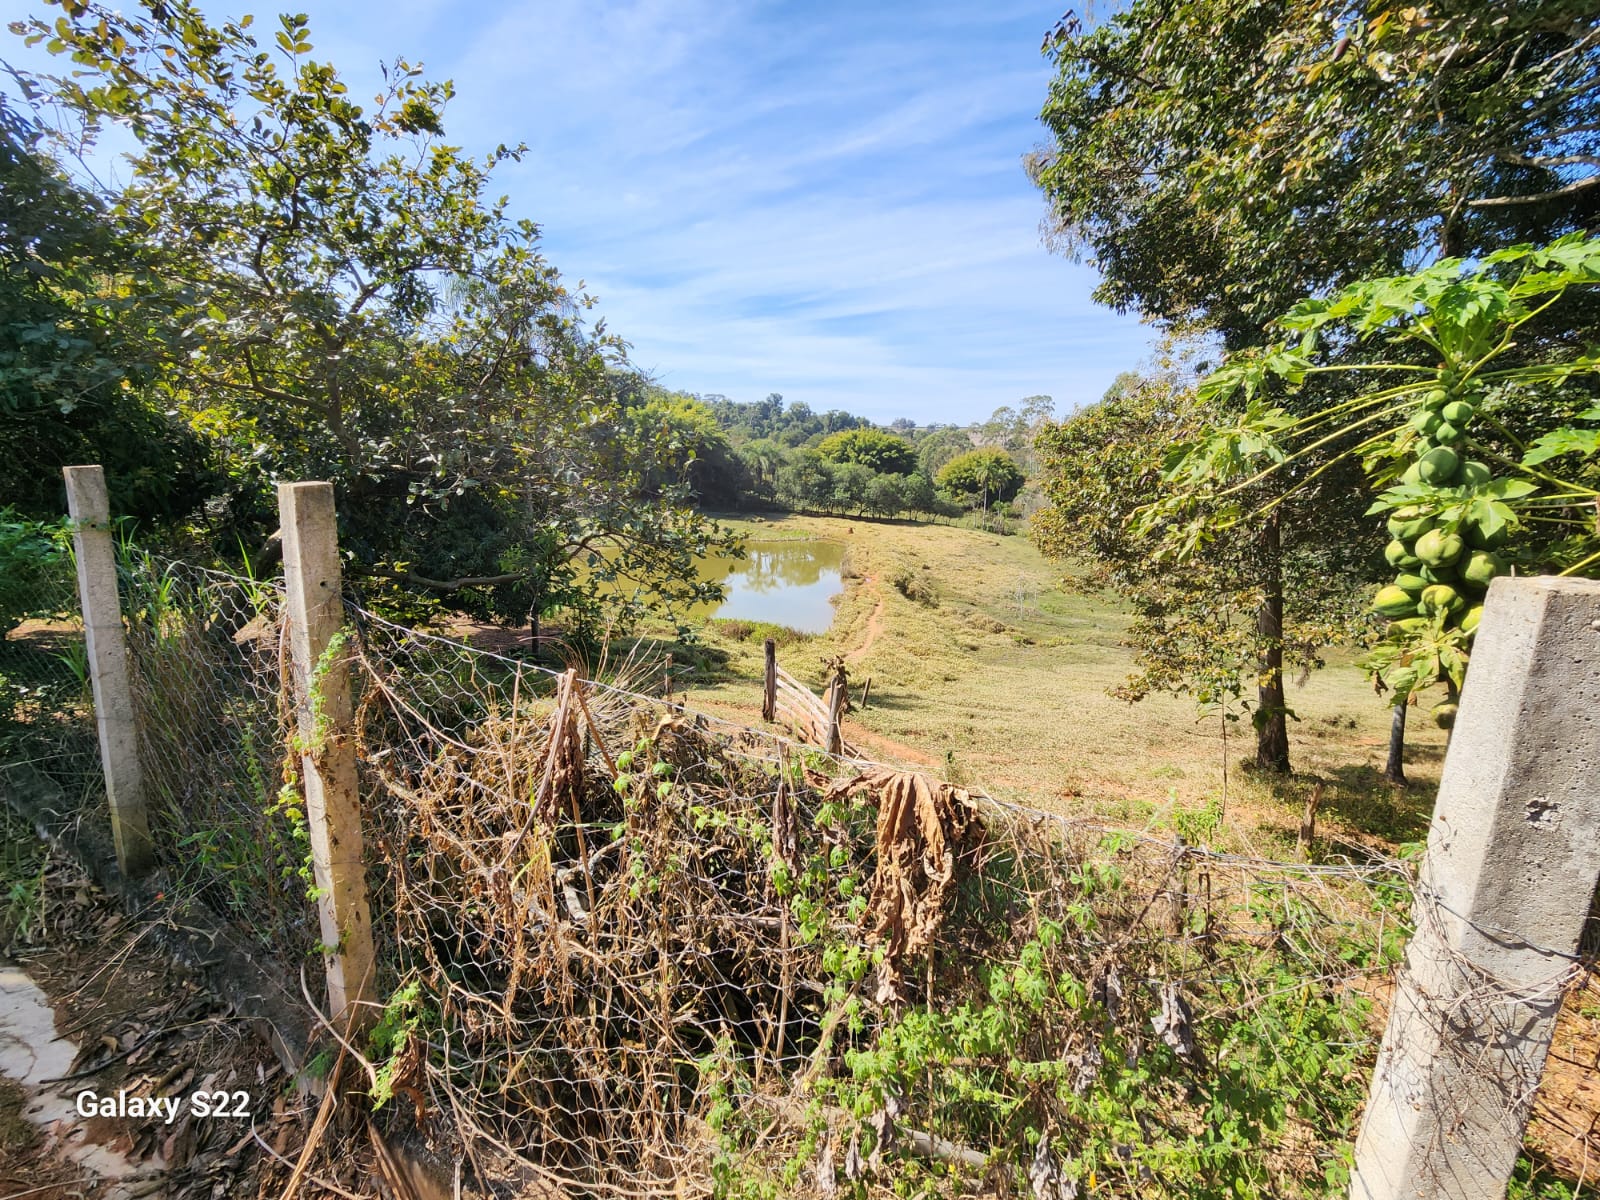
(46, 709)
(213, 710)
(634, 951)
(628, 950)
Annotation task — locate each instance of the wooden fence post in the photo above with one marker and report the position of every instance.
(838, 692)
(769, 687)
(327, 752)
(107, 653)
(1504, 891)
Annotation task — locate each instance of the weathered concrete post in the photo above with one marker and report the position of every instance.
(769, 685)
(326, 745)
(107, 652)
(1512, 860)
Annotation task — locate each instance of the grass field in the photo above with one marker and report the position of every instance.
(998, 677)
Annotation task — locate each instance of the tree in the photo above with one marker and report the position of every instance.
(806, 482)
(1196, 628)
(886, 494)
(345, 300)
(939, 446)
(1466, 470)
(1211, 194)
(879, 452)
(74, 364)
(982, 476)
(1213, 198)
(851, 482)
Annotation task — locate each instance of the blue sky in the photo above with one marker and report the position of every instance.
(824, 200)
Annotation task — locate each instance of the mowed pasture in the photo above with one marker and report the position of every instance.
(985, 668)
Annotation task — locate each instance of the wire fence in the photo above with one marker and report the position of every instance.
(627, 949)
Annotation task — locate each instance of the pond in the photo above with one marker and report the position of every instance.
(785, 582)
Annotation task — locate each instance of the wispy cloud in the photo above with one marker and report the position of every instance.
(825, 200)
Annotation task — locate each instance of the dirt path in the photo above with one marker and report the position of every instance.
(874, 627)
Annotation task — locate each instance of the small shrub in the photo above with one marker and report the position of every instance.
(916, 587)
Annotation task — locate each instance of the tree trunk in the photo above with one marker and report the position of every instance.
(1272, 711)
(533, 628)
(1395, 769)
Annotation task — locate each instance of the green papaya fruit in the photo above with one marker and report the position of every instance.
(1395, 553)
(1411, 584)
(1446, 433)
(1438, 465)
(1436, 548)
(1459, 412)
(1409, 523)
(1444, 716)
(1407, 625)
(1474, 474)
(1394, 602)
(1437, 398)
(1482, 566)
(1412, 474)
(1436, 574)
(1425, 421)
(1437, 597)
(1469, 623)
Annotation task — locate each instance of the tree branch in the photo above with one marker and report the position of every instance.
(1506, 201)
(440, 585)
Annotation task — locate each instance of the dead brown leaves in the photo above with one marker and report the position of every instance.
(925, 830)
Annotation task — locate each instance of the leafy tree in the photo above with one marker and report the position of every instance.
(345, 300)
(1212, 198)
(74, 372)
(982, 476)
(879, 452)
(1196, 630)
(851, 482)
(688, 448)
(806, 482)
(1354, 138)
(918, 493)
(939, 447)
(886, 494)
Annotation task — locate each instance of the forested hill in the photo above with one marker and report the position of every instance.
(769, 454)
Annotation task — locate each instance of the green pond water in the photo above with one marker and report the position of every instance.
(785, 582)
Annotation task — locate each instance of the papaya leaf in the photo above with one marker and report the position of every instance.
(1565, 440)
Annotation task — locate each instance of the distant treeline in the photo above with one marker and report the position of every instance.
(768, 454)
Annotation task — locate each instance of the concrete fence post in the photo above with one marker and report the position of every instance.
(1512, 861)
(326, 745)
(106, 648)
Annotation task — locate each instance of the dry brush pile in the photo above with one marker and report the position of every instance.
(629, 953)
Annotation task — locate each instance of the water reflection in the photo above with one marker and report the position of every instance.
(786, 582)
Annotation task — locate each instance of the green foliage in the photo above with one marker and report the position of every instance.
(879, 452)
(981, 477)
(74, 351)
(1358, 137)
(338, 294)
(1194, 630)
(35, 568)
(403, 1015)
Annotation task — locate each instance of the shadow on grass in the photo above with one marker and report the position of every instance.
(1359, 798)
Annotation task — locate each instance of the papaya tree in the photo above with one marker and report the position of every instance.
(1475, 421)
